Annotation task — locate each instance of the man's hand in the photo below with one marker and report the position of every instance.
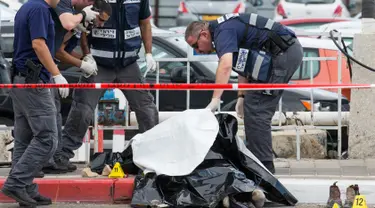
(82, 28)
(89, 58)
(88, 14)
(239, 107)
(214, 104)
(151, 63)
(59, 79)
(89, 67)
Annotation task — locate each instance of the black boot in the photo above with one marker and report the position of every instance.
(270, 166)
(40, 200)
(20, 196)
(55, 169)
(39, 174)
(71, 167)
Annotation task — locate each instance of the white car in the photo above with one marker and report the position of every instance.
(347, 29)
(310, 9)
(7, 14)
(11, 4)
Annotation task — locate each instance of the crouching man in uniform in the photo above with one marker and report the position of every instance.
(35, 128)
(260, 51)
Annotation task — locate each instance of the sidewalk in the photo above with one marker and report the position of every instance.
(361, 169)
(308, 180)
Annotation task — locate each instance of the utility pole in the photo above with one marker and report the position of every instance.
(368, 9)
(362, 112)
(156, 16)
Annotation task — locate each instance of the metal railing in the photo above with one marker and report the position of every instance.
(209, 58)
(191, 58)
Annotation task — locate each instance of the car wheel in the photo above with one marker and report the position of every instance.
(6, 121)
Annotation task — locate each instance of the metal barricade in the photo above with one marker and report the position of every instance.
(191, 58)
(98, 142)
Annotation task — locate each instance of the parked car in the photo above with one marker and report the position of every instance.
(11, 4)
(190, 10)
(6, 14)
(310, 23)
(310, 9)
(324, 71)
(201, 72)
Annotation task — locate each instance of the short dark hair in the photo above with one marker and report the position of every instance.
(103, 6)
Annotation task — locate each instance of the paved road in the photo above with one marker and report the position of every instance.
(68, 205)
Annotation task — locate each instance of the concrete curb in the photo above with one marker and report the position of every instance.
(82, 190)
(307, 189)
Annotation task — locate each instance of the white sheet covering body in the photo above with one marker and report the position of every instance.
(176, 146)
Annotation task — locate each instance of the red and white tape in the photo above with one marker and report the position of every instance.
(193, 86)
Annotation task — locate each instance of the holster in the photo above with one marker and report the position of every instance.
(33, 72)
(277, 44)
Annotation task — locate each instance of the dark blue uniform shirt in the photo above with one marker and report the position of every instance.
(33, 21)
(64, 6)
(229, 34)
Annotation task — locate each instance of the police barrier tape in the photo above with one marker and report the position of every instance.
(192, 86)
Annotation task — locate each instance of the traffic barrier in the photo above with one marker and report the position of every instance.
(191, 56)
(83, 153)
(193, 86)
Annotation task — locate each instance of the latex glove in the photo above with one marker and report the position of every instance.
(82, 28)
(88, 67)
(214, 104)
(151, 63)
(239, 107)
(90, 14)
(89, 58)
(59, 79)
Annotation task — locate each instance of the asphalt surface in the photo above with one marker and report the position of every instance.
(69, 205)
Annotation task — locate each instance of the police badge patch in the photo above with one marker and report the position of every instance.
(242, 59)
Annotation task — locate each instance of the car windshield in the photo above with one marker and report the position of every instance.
(311, 1)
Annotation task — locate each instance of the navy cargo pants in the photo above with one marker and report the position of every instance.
(35, 135)
(259, 107)
(85, 101)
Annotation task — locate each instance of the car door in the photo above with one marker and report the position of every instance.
(303, 73)
(169, 100)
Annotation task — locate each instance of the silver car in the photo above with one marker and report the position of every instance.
(191, 10)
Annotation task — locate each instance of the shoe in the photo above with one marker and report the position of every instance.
(40, 200)
(20, 196)
(258, 198)
(350, 195)
(270, 166)
(71, 167)
(334, 196)
(55, 169)
(351, 192)
(39, 174)
(356, 189)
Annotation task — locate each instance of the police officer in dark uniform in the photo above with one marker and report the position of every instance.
(67, 19)
(260, 51)
(115, 48)
(35, 129)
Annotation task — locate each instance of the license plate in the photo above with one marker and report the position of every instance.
(209, 17)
